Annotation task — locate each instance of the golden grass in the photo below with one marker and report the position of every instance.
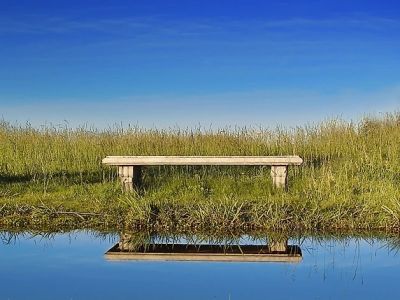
(350, 177)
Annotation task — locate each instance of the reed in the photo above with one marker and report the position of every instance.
(349, 179)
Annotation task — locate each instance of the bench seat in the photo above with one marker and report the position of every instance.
(129, 167)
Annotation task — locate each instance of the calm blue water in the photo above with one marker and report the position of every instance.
(72, 266)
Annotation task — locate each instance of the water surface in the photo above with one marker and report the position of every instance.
(72, 266)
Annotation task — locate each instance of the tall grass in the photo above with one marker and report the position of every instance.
(350, 176)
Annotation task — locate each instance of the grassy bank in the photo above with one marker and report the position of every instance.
(349, 180)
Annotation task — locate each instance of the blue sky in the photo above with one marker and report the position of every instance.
(184, 63)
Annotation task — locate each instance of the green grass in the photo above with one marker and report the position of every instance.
(350, 178)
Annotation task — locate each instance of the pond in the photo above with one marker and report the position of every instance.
(73, 265)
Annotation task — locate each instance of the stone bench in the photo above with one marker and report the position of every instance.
(129, 167)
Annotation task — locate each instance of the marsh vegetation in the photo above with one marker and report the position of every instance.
(350, 177)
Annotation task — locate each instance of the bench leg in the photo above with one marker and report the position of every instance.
(278, 245)
(130, 177)
(279, 174)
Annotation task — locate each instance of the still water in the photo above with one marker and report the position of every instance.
(73, 266)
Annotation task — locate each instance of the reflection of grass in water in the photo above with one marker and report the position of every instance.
(341, 255)
(145, 240)
(349, 179)
(393, 244)
(47, 236)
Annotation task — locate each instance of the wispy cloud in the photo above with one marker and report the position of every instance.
(76, 53)
(41, 23)
(294, 39)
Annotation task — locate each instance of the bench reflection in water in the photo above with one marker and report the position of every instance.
(276, 251)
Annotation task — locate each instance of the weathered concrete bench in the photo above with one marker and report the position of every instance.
(129, 167)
